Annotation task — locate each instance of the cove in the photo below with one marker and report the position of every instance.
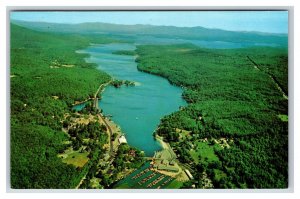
(138, 109)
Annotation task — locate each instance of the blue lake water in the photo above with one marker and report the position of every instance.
(144, 40)
(138, 109)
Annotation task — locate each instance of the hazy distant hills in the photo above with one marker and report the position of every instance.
(193, 33)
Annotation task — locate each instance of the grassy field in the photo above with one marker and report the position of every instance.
(284, 118)
(203, 152)
(75, 158)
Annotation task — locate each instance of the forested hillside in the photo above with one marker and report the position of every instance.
(234, 132)
(47, 76)
(135, 31)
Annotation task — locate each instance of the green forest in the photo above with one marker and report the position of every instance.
(46, 78)
(232, 134)
(233, 129)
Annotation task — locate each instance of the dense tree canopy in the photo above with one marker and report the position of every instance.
(234, 96)
(234, 130)
(47, 76)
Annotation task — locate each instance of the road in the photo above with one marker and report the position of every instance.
(102, 117)
(110, 134)
(256, 66)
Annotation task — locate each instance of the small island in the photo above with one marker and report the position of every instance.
(119, 83)
(112, 106)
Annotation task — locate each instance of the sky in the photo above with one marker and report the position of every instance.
(262, 21)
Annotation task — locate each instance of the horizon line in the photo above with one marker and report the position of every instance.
(140, 24)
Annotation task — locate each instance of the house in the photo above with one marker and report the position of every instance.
(122, 139)
(132, 153)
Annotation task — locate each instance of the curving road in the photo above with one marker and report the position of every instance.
(102, 117)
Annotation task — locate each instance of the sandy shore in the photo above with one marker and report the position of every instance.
(163, 144)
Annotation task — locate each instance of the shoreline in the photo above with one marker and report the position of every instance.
(162, 143)
(111, 126)
(81, 102)
(101, 88)
(113, 145)
(114, 130)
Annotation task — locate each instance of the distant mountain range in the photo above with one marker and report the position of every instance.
(132, 31)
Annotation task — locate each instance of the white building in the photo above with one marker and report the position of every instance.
(122, 139)
(188, 173)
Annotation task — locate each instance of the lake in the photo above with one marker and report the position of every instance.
(138, 109)
(145, 40)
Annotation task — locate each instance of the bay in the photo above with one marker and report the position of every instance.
(138, 109)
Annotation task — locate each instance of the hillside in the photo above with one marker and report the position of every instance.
(131, 32)
(46, 77)
(234, 132)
